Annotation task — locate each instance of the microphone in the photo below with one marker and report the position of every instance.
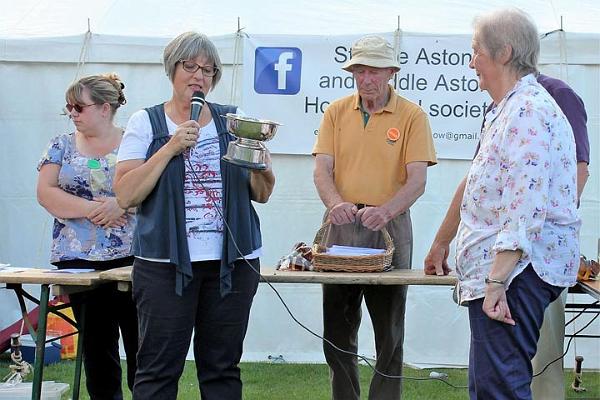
(197, 103)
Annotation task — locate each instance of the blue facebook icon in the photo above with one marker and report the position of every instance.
(277, 70)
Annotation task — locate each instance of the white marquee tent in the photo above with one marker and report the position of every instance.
(44, 46)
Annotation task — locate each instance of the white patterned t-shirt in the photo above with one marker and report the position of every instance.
(204, 225)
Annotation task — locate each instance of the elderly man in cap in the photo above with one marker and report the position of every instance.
(371, 159)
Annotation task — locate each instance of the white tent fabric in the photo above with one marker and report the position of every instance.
(37, 63)
(167, 18)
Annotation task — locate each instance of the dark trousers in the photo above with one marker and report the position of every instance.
(167, 321)
(107, 310)
(386, 305)
(500, 354)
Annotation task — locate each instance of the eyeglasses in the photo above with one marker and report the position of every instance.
(77, 107)
(191, 67)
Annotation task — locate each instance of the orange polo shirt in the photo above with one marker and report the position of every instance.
(370, 161)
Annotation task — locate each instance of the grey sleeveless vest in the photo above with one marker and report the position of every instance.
(160, 231)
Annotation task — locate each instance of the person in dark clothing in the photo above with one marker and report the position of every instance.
(198, 239)
(90, 229)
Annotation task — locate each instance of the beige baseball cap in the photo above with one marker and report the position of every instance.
(372, 51)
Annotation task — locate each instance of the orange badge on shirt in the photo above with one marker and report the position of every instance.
(393, 134)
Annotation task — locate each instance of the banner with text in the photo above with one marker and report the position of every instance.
(292, 79)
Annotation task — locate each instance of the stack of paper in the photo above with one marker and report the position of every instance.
(336, 250)
(72, 270)
(8, 268)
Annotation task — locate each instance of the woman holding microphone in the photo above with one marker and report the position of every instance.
(198, 239)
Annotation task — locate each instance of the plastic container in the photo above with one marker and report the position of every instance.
(51, 354)
(50, 391)
(59, 327)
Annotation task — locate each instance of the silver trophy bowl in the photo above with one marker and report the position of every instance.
(248, 150)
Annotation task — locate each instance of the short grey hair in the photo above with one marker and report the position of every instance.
(510, 27)
(188, 46)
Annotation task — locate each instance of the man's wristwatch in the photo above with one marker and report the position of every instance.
(496, 281)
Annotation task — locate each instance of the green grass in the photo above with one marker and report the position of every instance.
(265, 381)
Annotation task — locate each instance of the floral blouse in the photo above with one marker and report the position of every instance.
(79, 238)
(521, 193)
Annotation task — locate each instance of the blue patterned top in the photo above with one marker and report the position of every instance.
(82, 176)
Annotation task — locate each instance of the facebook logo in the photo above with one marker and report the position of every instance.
(277, 70)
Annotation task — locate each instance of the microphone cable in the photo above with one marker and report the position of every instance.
(433, 377)
(571, 338)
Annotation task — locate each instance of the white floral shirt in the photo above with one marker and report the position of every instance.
(521, 193)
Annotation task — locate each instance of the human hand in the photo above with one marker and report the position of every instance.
(185, 137)
(436, 261)
(374, 218)
(107, 213)
(268, 163)
(495, 305)
(119, 222)
(267, 160)
(343, 213)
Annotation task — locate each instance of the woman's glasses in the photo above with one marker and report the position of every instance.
(77, 107)
(191, 67)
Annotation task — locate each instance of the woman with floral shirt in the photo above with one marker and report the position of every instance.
(90, 229)
(518, 239)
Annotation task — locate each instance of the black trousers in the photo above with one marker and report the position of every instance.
(167, 321)
(108, 310)
(342, 314)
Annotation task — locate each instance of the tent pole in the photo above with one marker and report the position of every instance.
(236, 61)
(397, 39)
(564, 62)
(83, 52)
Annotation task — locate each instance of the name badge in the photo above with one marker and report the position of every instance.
(93, 164)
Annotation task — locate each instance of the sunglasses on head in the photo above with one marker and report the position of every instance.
(77, 107)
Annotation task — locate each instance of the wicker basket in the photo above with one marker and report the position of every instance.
(371, 263)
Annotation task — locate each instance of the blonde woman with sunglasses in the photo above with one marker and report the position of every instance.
(90, 229)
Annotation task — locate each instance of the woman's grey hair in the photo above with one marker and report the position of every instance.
(103, 88)
(510, 27)
(188, 46)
